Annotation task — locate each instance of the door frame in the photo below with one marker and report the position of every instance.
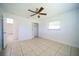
(33, 29)
(2, 31)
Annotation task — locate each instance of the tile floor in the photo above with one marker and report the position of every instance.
(39, 47)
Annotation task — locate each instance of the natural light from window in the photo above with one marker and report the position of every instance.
(10, 20)
(54, 25)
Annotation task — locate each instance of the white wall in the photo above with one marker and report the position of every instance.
(68, 34)
(77, 25)
(23, 26)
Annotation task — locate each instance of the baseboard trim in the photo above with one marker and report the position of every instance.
(63, 42)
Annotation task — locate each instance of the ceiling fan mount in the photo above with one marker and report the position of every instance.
(37, 12)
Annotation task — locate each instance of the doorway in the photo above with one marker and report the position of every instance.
(8, 31)
(35, 30)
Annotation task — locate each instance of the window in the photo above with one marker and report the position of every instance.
(9, 20)
(54, 25)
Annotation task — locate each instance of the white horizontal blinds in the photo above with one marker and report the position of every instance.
(54, 25)
(10, 20)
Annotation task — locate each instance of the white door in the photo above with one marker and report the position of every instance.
(35, 29)
(8, 31)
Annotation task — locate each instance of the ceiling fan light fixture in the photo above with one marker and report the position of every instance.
(38, 12)
(38, 16)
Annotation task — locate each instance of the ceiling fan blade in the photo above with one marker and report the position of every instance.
(31, 11)
(33, 15)
(40, 10)
(42, 13)
(37, 9)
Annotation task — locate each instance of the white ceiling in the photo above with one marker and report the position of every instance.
(51, 9)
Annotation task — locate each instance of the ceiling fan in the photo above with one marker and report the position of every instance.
(38, 12)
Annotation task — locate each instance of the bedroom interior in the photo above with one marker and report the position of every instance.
(39, 29)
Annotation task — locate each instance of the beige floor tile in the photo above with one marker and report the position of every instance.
(39, 47)
(74, 51)
(64, 50)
